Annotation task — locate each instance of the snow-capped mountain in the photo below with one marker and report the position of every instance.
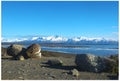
(36, 38)
(59, 39)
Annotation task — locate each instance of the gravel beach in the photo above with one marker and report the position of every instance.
(38, 69)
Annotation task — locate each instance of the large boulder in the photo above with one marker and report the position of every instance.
(92, 63)
(33, 51)
(15, 50)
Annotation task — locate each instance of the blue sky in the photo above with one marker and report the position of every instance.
(67, 19)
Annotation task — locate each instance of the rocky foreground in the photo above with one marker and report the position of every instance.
(53, 66)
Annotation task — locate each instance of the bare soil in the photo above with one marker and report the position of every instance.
(38, 69)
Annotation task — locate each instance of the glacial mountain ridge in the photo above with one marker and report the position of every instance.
(60, 39)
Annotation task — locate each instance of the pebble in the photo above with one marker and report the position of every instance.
(27, 70)
(55, 62)
(75, 72)
(19, 72)
(20, 77)
(102, 74)
(65, 73)
(42, 67)
(34, 68)
(23, 65)
(24, 74)
(46, 74)
(9, 71)
(28, 64)
(38, 64)
(21, 58)
(51, 78)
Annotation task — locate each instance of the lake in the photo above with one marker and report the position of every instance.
(100, 50)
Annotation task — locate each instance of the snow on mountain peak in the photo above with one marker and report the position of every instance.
(86, 39)
(34, 38)
(55, 39)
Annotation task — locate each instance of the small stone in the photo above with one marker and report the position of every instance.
(9, 71)
(21, 58)
(51, 78)
(75, 72)
(24, 74)
(42, 67)
(34, 68)
(20, 77)
(65, 73)
(46, 74)
(55, 62)
(19, 72)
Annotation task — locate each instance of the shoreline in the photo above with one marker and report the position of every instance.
(79, 50)
(38, 69)
(67, 53)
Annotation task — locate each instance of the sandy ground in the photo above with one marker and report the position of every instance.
(38, 69)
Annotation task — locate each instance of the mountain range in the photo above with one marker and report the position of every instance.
(59, 39)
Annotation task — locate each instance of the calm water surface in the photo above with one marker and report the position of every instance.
(100, 50)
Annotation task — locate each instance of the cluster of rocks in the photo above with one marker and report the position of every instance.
(84, 62)
(18, 52)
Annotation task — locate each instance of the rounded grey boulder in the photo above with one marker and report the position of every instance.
(33, 51)
(15, 49)
(92, 63)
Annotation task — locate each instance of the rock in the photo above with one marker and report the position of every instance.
(57, 62)
(9, 71)
(21, 58)
(66, 73)
(4, 51)
(15, 50)
(33, 51)
(53, 76)
(92, 63)
(42, 67)
(19, 72)
(20, 77)
(50, 78)
(74, 72)
(46, 74)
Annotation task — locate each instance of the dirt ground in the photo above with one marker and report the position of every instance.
(38, 69)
